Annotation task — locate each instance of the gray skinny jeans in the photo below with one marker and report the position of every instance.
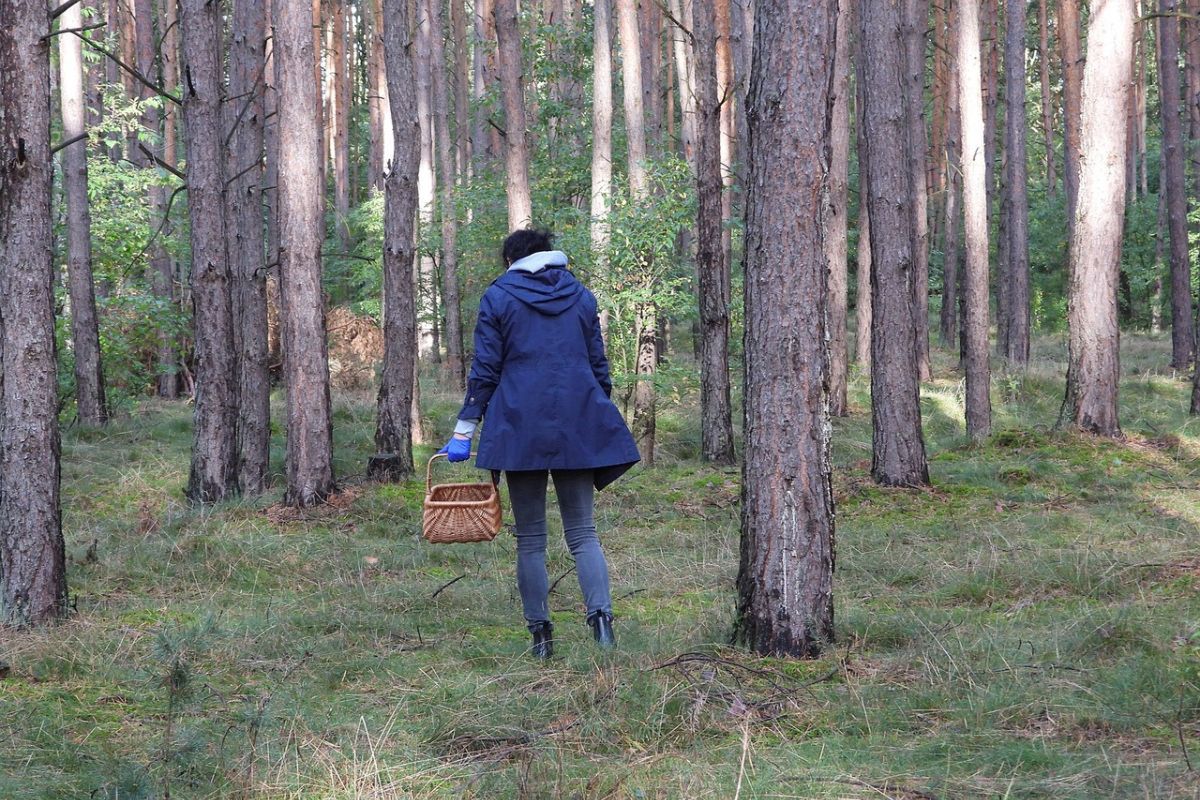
(527, 493)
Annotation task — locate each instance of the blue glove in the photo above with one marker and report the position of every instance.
(457, 449)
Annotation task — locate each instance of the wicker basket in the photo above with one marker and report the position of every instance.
(459, 512)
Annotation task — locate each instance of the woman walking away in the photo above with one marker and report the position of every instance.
(540, 384)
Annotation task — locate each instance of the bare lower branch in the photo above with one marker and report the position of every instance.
(142, 79)
(62, 9)
(169, 168)
(63, 145)
(84, 29)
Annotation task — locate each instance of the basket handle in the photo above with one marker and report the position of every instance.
(429, 470)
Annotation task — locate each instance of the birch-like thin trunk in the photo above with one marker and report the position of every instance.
(602, 117)
(516, 153)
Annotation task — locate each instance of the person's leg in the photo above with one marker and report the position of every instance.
(527, 494)
(575, 502)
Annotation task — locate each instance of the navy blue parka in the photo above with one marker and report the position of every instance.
(540, 379)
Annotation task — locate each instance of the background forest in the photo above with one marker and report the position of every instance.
(927, 263)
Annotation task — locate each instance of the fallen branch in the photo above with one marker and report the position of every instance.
(64, 145)
(444, 587)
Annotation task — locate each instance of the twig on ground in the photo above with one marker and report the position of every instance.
(559, 578)
(446, 586)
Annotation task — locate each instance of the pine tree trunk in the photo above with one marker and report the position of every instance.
(271, 196)
(309, 470)
(602, 117)
(1094, 362)
(426, 277)
(1015, 186)
(462, 69)
(339, 122)
(990, 46)
(916, 22)
(838, 211)
(685, 78)
(898, 452)
(516, 154)
(716, 415)
(862, 293)
(394, 422)
(375, 98)
(975, 225)
(213, 474)
(644, 414)
(1047, 99)
(247, 254)
(33, 581)
(85, 336)
(445, 156)
(1072, 84)
(948, 327)
(1182, 334)
(785, 576)
(650, 27)
(725, 88)
(481, 76)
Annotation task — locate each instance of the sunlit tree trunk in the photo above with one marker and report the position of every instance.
(1094, 362)
(716, 415)
(785, 576)
(213, 475)
(375, 95)
(33, 581)
(481, 132)
(516, 153)
(426, 274)
(1047, 98)
(244, 224)
(916, 22)
(898, 451)
(339, 121)
(1072, 81)
(462, 78)
(309, 470)
(948, 327)
(838, 211)
(602, 117)
(85, 336)
(862, 295)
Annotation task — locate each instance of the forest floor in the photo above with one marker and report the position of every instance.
(1028, 627)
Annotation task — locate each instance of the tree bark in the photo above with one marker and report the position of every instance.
(516, 153)
(213, 474)
(898, 452)
(644, 413)
(916, 22)
(247, 254)
(1072, 82)
(426, 272)
(602, 117)
(716, 415)
(862, 293)
(1182, 334)
(685, 78)
(725, 89)
(481, 141)
(375, 96)
(1047, 99)
(309, 470)
(785, 576)
(462, 136)
(445, 155)
(33, 582)
(1093, 367)
(975, 224)
(270, 191)
(1016, 344)
(948, 327)
(339, 121)
(838, 211)
(650, 26)
(85, 336)
(394, 422)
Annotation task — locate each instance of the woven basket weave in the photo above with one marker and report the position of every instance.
(460, 512)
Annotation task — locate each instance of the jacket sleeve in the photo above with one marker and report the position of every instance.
(596, 353)
(485, 367)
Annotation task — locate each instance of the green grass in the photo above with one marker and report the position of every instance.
(1027, 627)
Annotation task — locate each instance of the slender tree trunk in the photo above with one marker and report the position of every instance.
(685, 78)
(975, 226)
(247, 254)
(394, 422)
(85, 336)
(309, 471)
(1182, 334)
(480, 137)
(898, 452)
(1047, 98)
(426, 272)
(1094, 362)
(33, 579)
(650, 26)
(445, 156)
(516, 153)
(1072, 82)
(785, 578)
(990, 47)
(725, 89)
(862, 294)
(271, 196)
(916, 22)
(644, 414)
(602, 117)
(1015, 183)
(838, 211)
(948, 328)
(375, 98)
(213, 474)
(339, 123)
(716, 415)
(462, 136)
(1190, 23)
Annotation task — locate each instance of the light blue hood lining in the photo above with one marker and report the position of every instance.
(536, 262)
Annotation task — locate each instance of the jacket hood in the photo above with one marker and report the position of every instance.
(548, 291)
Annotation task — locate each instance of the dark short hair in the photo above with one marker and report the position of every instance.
(524, 242)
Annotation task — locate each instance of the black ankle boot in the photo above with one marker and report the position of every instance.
(543, 640)
(602, 629)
